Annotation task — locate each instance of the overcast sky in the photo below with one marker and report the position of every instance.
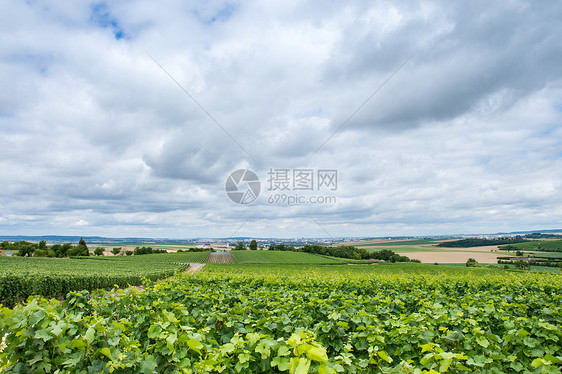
(126, 118)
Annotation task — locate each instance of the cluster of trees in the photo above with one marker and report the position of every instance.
(99, 251)
(147, 251)
(342, 251)
(390, 256)
(476, 242)
(41, 249)
(241, 247)
(194, 249)
(345, 251)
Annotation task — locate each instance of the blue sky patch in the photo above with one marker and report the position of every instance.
(103, 18)
(223, 15)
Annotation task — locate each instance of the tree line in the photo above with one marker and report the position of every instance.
(477, 242)
(41, 249)
(342, 251)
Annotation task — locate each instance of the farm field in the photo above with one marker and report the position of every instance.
(430, 254)
(547, 245)
(391, 243)
(400, 249)
(21, 277)
(272, 257)
(455, 257)
(260, 318)
(545, 254)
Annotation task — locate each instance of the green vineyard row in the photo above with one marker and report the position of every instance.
(302, 319)
(52, 277)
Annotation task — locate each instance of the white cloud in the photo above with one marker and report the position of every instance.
(95, 138)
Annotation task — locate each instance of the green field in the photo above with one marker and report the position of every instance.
(547, 245)
(544, 254)
(351, 270)
(282, 257)
(397, 249)
(120, 265)
(402, 243)
(267, 318)
(21, 277)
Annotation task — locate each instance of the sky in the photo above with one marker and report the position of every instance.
(347, 119)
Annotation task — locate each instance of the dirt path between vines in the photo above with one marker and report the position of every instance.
(221, 258)
(194, 268)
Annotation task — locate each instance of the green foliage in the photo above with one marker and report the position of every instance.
(536, 245)
(239, 247)
(388, 255)
(342, 251)
(330, 319)
(147, 251)
(22, 277)
(21, 248)
(476, 242)
(253, 245)
(99, 251)
(281, 257)
(116, 251)
(194, 249)
(472, 263)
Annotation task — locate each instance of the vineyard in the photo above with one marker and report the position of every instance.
(283, 257)
(297, 319)
(21, 277)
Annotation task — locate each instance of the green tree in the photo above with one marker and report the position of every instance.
(239, 247)
(83, 248)
(472, 263)
(66, 248)
(80, 250)
(43, 245)
(99, 251)
(116, 251)
(253, 245)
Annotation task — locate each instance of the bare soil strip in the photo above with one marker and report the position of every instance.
(194, 268)
(220, 258)
(455, 257)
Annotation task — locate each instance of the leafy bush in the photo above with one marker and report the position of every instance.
(472, 263)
